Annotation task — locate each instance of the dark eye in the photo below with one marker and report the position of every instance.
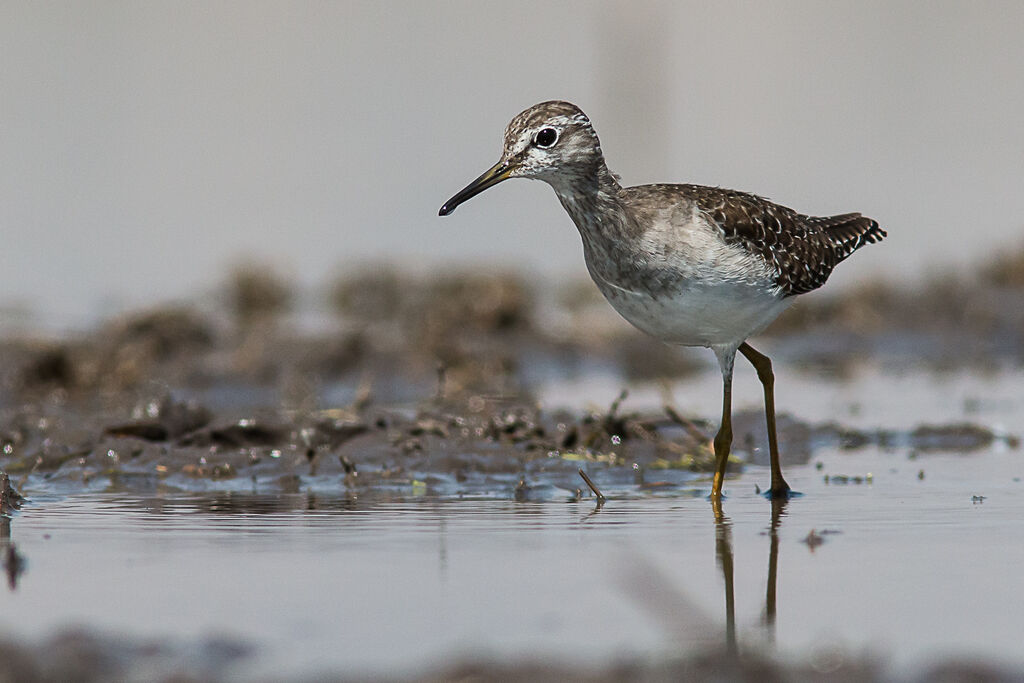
(546, 137)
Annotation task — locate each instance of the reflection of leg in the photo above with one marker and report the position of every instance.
(763, 365)
(778, 506)
(723, 440)
(723, 551)
(773, 564)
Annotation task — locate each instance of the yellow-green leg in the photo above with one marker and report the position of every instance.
(723, 439)
(763, 365)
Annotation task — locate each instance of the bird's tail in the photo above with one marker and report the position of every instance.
(850, 231)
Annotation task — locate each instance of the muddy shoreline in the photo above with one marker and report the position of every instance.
(431, 383)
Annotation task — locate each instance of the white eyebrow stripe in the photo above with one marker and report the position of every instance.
(563, 120)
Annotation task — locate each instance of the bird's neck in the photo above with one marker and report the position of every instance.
(591, 198)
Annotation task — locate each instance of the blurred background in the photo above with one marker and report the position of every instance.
(146, 147)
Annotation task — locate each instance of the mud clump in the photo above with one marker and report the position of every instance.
(449, 303)
(121, 353)
(160, 334)
(963, 437)
(1006, 269)
(369, 295)
(49, 365)
(162, 419)
(256, 292)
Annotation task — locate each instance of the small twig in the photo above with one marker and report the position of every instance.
(693, 430)
(593, 487)
(614, 409)
(10, 499)
(610, 423)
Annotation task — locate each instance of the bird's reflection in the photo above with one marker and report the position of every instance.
(778, 510)
(11, 561)
(724, 555)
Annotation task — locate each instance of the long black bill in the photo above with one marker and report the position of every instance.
(492, 176)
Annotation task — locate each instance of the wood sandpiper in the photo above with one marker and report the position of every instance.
(688, 264)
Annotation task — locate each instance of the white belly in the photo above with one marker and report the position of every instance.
(720, 314)
(681, 282)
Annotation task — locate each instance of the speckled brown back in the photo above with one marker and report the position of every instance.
(802, 250)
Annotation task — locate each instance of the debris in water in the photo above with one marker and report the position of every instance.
(593, 487)
(813, 540)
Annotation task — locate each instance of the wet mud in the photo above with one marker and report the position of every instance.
(483, 447)
(429, 385)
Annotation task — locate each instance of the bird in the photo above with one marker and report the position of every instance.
(691, 265)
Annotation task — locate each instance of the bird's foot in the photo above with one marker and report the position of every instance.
(781, 493)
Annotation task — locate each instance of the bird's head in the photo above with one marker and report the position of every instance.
(551, 141)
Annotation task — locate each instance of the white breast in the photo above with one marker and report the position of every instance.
(719, 293)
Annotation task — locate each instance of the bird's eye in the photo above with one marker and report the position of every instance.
(546, 137)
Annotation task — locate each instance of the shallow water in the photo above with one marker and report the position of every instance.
(902, 551)
(910, 570)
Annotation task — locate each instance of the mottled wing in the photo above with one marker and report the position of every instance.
(801, 250)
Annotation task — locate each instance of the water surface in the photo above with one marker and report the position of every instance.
(909, 569)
